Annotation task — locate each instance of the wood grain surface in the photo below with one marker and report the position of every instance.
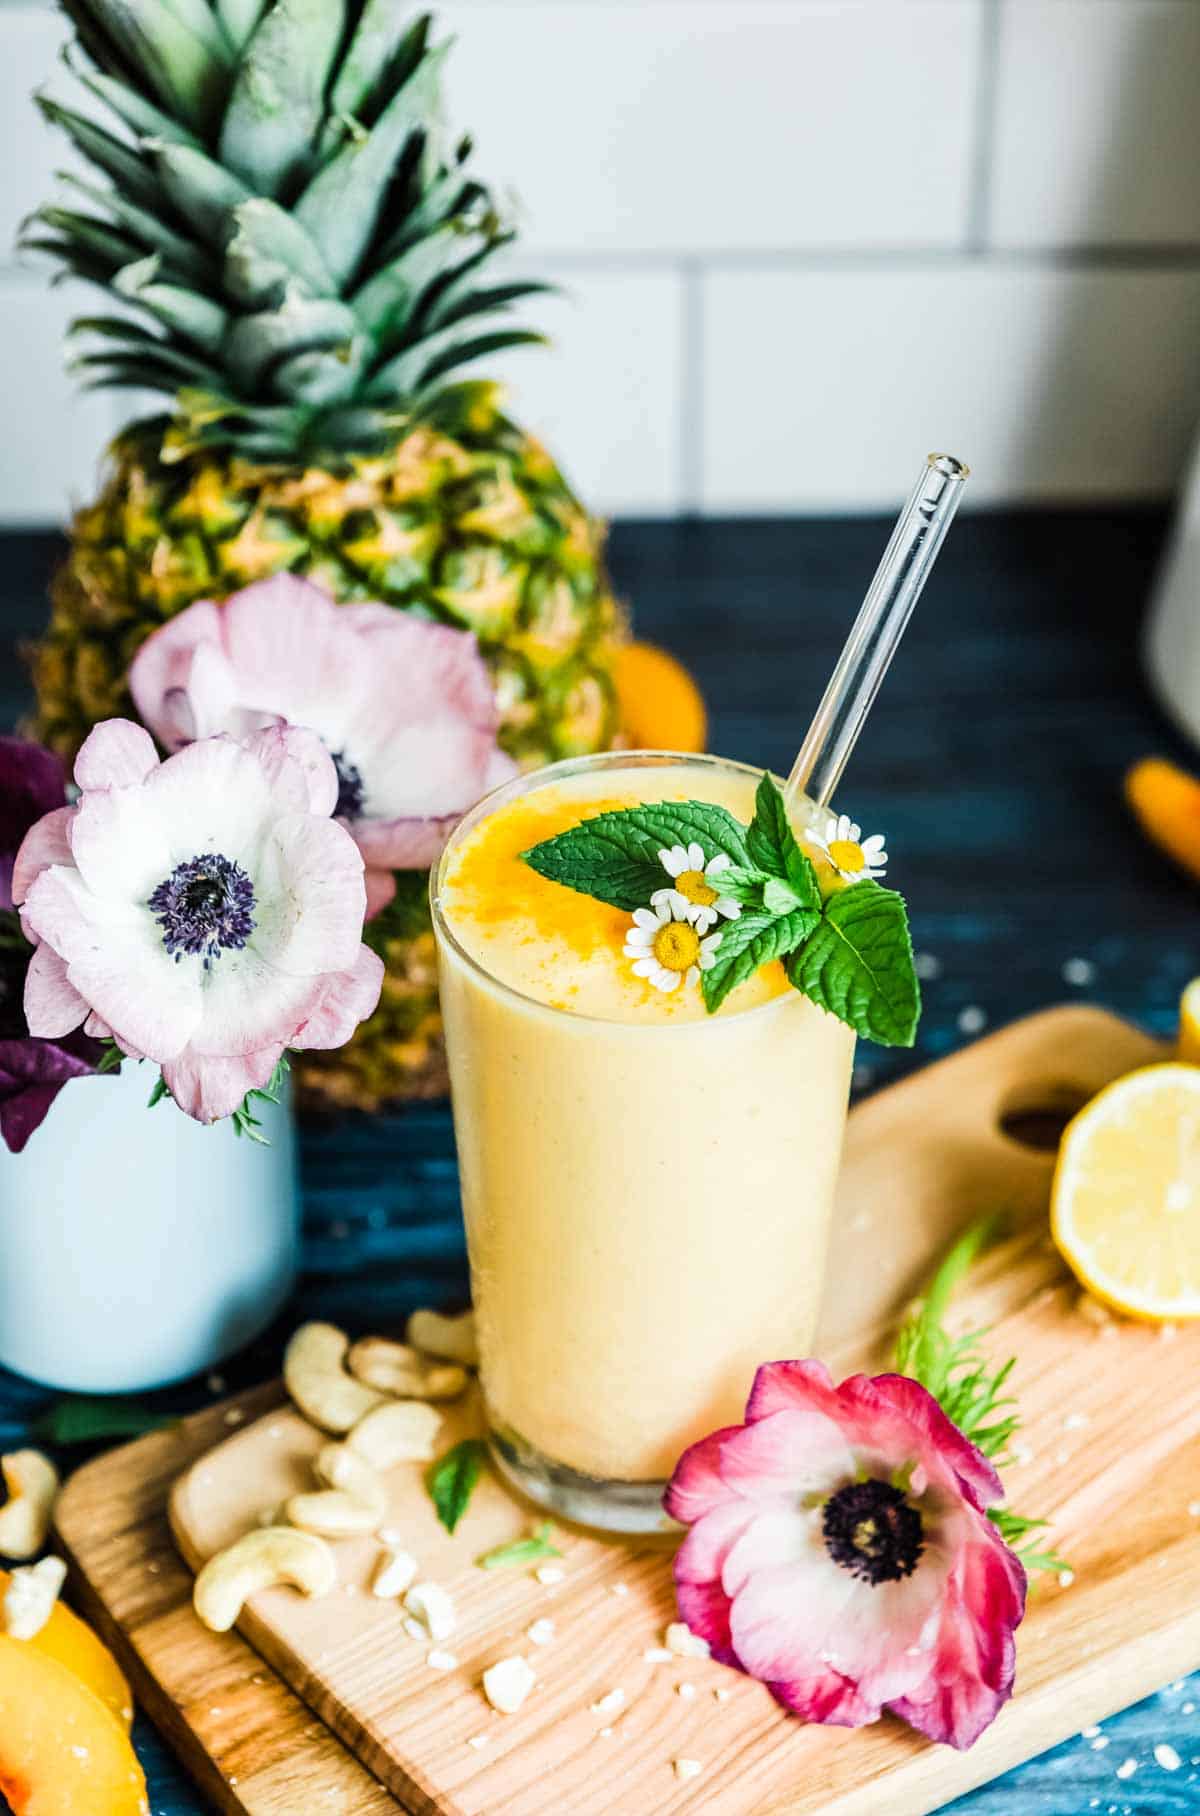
(1108, 1407)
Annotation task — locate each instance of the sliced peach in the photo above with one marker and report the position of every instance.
(1166, 799)
(72, 1642)
(62, 1752)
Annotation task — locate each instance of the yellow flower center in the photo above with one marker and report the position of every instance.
(847, 855)
(693, 888)
(677, 946)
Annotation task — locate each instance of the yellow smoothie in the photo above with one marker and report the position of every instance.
(647, 1188)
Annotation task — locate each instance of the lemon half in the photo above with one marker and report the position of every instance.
(1125, 1209)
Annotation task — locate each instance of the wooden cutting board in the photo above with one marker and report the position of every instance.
(1112, 1413)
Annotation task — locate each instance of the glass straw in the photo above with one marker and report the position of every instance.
(919, 533)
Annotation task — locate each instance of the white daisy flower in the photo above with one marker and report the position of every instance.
(666, 947)
(696, 886)
(853, 857)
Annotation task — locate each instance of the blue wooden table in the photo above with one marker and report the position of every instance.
(992, 762)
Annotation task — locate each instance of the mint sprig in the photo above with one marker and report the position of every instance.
(858, 964)
(850, 953)
(614, 857)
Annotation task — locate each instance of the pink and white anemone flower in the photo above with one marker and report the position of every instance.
(406, 708)
(840, 1551)
(205, 912)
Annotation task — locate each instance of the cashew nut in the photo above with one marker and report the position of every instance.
(32, 1483)
(29, 1599)
(315, 1376)
(403, 1431)
(259, 1560)
(451, 1339)
(396, 1369)
(353, 1499)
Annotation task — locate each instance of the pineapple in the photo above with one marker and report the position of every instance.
(298, 255)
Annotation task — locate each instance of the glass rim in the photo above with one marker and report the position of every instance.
(526, 783)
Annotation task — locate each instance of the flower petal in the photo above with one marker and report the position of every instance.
(349, 998)
(208, 1088)
(115, 754)
(310, 898)
(45, 843)
(162, 667)
(53, 1006)
(697, 1485)
(404, 844)
(298, 767)
(973, 1662)
(32, 1073)
(247, 1004)
(381, 888)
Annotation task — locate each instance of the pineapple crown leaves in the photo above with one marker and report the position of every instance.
(297, 247)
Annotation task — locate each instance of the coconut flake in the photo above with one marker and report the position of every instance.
(507, 1683)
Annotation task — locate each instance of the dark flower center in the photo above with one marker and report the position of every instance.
(871, 1531)
(205, 906)
(351, 792)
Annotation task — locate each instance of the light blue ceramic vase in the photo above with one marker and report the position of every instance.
(136, 1246)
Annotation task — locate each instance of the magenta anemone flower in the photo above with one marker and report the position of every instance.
(840, 1551)
(32, 1072)
(406, 708)
(205, 913)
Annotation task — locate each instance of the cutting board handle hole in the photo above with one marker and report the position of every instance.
(1036, 1115)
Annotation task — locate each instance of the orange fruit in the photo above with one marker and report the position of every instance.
(62, 1752)
(1166, 800)
(661, 706)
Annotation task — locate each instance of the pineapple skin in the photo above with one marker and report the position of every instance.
(477, 529)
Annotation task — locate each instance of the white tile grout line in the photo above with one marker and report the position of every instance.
(692, 388)
(983, 149)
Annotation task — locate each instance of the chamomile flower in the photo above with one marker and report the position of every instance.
(666, 947)
(696, 886)
(853, 857)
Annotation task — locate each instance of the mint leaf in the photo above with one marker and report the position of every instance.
(521, 1551)
(754, 939)
(779, 897)
(451, 1479)
(858, 965)
(742, 885)
(772, 845)
(614, 857)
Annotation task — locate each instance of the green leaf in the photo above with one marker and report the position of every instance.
(341, 205)
(779, 897)
(384, 51)
(256, 343)
(754, 939)
(245, 1122)
(181, 258)
(426, 360)
(858, 965)
(86, 1419)
(158, 1091)
(278, 99)
(205, 194)
(614, 856)
(521, 1551)
(270, 250)
(180, 49)
(110, 1058)
(451, 1479)
(127, 170)
(772, 845)
(146, 120)
(183, 312)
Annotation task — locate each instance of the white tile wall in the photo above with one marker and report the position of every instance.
(651, 126)
(53, 436)
(1098, 123)
(844, 386)
(805, 239)
(615, 366)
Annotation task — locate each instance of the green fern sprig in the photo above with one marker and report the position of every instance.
(967, 1387)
